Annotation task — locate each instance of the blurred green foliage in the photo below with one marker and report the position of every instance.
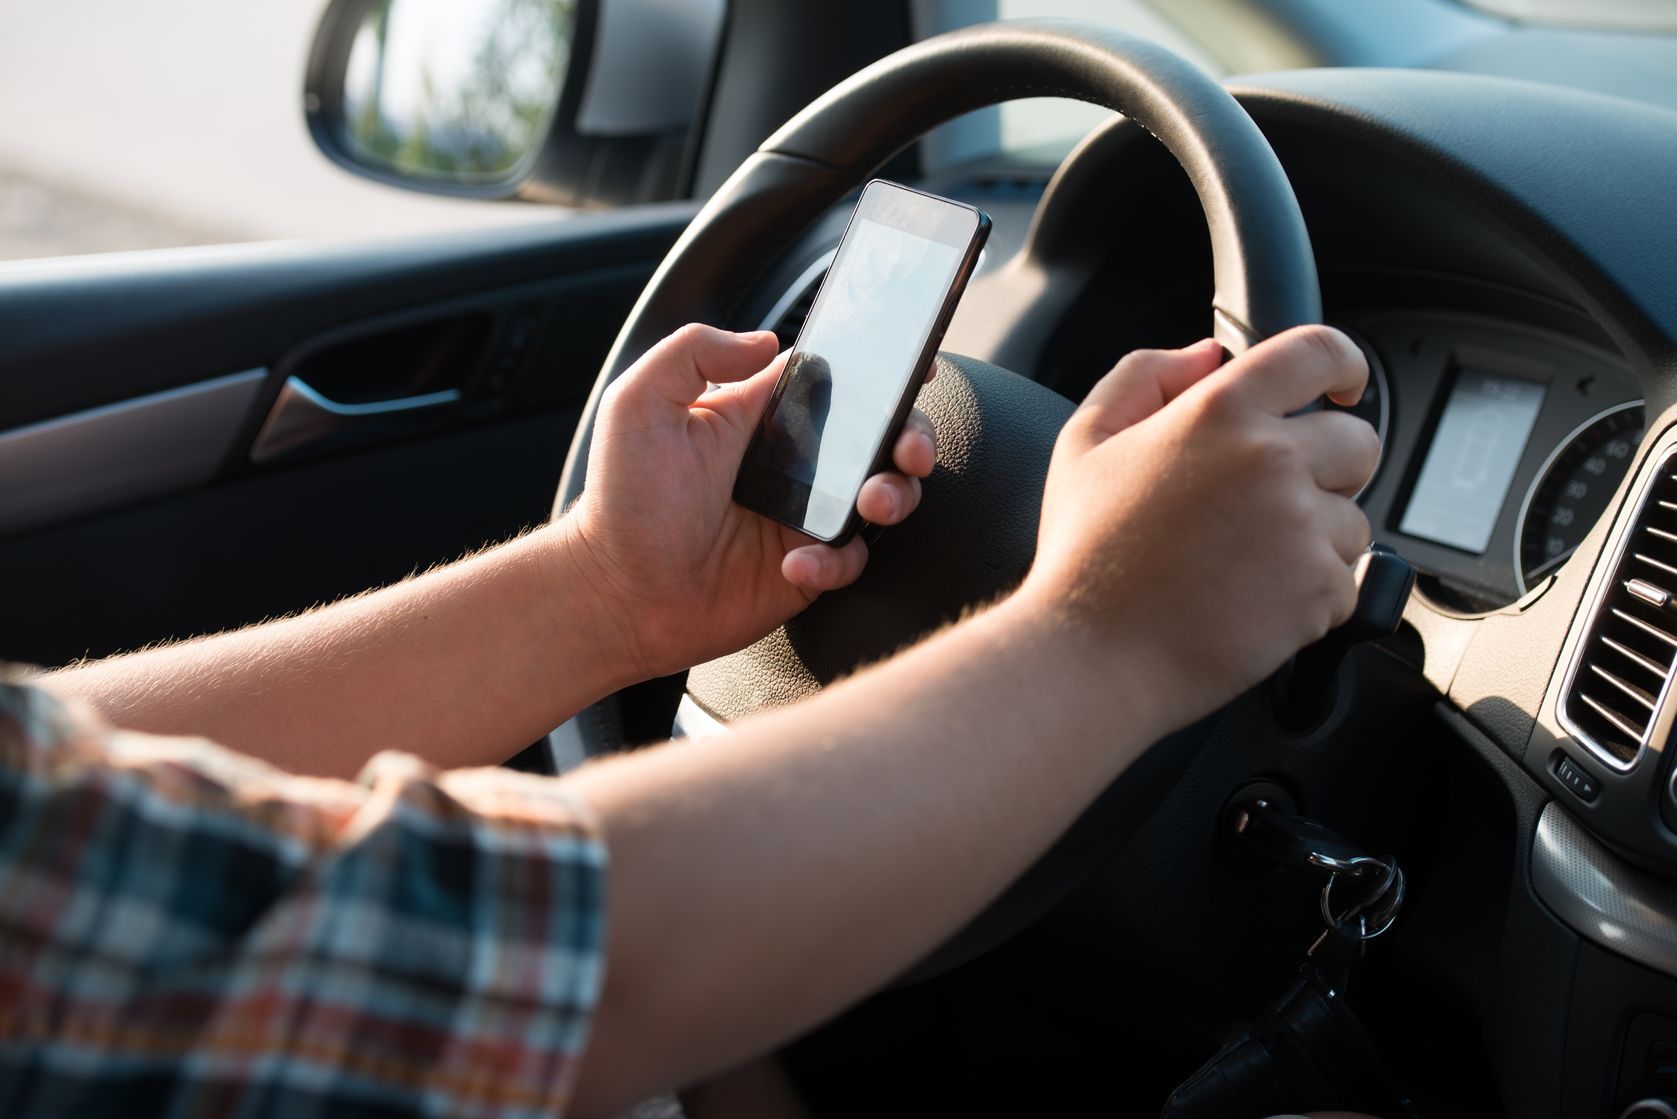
(471, 92)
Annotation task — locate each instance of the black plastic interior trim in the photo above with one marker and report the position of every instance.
(275, 542)
(85, 331)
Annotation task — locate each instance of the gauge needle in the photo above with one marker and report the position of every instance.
(1547, 566)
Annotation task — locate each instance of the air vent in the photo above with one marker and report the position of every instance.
(1003, 184)
(792, 319)
(1623, 667)
(787, 315)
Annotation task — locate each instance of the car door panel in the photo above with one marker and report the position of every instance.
(83, 331)
(122, 452)
(276, 541)
(197, 439)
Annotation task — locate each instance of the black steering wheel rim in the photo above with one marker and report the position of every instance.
(1263, 267)
(1264, 282)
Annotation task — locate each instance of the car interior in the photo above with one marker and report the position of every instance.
(197, 439)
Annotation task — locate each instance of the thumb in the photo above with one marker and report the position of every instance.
(751, 396)
(1138, 386)
(681, 367)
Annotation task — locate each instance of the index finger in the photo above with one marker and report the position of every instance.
(680, 368)
(1291, 370)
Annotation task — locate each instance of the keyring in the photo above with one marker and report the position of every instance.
(1356, 868)
(1386, 915)
(1323, 861)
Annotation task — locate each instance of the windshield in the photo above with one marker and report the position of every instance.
(1049, 126)
(1625, 48)
(1647, 15)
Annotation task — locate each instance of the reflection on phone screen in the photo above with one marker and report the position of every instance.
(791, 442)
(852, 363)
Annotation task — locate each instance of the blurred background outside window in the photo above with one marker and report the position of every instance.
(138, 125)
(180, 122)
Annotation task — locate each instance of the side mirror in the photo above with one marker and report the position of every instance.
(579, 102)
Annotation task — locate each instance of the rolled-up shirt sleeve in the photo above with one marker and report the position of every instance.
(187, 931)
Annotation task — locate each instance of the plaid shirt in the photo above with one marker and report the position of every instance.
(188, 932)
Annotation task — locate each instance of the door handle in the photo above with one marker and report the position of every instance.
(303, 417)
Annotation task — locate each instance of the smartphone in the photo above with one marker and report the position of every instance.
(860, 358)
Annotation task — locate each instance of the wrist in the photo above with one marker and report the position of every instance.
(1119, 676)
(592, 626)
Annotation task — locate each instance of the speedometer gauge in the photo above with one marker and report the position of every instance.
(1572, 490)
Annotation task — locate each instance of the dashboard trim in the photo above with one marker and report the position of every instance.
(1600, 896)
(1543, 472)
(127, 452)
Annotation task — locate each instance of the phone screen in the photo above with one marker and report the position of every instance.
(862, 349)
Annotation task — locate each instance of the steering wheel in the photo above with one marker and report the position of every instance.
(975, 533)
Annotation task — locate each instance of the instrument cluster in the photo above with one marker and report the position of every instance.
(1504, 445)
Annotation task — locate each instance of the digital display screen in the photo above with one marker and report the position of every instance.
(853, 360)
(1480, 438)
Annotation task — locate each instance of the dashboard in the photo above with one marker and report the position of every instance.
(1504, 434)
(1520, 321)
(1508, 419)
(1503, 445)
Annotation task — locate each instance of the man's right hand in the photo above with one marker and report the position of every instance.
(1192, 521)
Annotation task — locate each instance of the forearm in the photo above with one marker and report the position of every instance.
(463, 666)
(764, 880)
